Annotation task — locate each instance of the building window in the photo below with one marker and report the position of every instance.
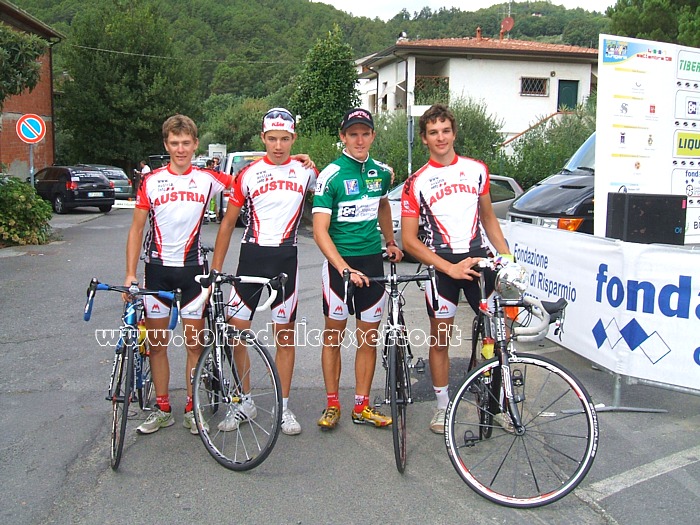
(534, 87)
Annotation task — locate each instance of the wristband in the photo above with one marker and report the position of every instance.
(507, 256)
(391, 243)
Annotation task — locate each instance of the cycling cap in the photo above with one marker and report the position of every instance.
(278, 119)
(357, 116)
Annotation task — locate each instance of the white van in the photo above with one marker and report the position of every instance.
(232, 165)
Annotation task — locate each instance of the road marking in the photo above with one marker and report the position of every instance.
(610, 486)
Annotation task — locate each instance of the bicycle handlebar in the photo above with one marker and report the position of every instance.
(392, 279)
(272, 284)
(134, 291)
(546, 312)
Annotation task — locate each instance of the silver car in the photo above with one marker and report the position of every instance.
(503, 192)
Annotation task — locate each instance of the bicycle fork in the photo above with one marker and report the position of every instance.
(509, 399)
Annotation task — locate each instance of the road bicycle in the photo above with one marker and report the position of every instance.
(520, 430)
(236, 389)
(397, 358)
(131, 376)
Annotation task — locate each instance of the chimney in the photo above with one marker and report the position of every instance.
(478, 33)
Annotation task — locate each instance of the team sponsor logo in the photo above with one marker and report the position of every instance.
(338, 310)
(193, 184)
(164, 185)
(352, 187)
(358, 211)
(372, 173)
(292, 173)
(263, 176)
(155, 308)
(374, 185)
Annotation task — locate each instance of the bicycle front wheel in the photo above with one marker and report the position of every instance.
(484, 394)
(546, 461)
(238, 400)
(120, 394)
(399, 397)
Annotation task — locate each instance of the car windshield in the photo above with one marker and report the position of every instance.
(395, 193)
(584, 158)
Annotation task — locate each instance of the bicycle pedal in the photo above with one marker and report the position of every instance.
(377, 402)
(419, 367)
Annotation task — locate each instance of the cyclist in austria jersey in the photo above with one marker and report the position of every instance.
(274, 189)
(450, 197)
(173, 199)
(350, 200)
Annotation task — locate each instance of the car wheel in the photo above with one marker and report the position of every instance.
(106, 208)
(58, 205)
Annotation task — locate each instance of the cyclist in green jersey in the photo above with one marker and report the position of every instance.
(350, 200)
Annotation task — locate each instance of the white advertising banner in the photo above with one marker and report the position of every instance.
(648, 125)
(634, 309)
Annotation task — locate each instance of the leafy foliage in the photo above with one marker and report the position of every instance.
(543, 150)
(325, 88)
(19, 69)
(25, 216)
(113, 108)
(673, 21)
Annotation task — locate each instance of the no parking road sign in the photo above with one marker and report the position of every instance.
(31, 128)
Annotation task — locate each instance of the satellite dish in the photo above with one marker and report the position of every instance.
(507, 23)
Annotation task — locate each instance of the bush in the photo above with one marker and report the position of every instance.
(24, 216)
(544, 149)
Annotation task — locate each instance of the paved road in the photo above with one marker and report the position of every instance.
(54, 421)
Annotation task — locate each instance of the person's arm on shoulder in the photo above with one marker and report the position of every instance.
(304, 159)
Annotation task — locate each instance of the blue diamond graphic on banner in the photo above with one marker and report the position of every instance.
(599, 333)
(633, 334)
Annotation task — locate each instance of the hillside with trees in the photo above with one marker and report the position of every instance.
(126, 63)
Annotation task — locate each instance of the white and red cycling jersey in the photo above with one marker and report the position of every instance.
(176, 205)
(446, 201)
(274, 195)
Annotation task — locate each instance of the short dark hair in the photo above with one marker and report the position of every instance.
(433, 114)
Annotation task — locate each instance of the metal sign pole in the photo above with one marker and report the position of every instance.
(31, 164)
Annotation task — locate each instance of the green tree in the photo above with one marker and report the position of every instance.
(19, 69)
(544, 149)
(127, 78)
(325, 89)
(674, 21)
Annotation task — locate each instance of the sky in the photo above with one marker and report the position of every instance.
(387, 9)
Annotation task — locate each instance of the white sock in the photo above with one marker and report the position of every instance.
(442, 395)
(285, 400)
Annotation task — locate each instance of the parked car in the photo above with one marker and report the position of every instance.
(563, 200)
(72, 186)
(122, 184)
(503, 191)
(232, 165)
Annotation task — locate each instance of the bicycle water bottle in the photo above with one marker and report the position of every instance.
(142, 337)
(487, 348)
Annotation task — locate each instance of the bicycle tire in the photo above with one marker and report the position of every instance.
(484, 392)
(398, 399)
(208, 344)
(548, 460)
(237, 384)
(146, 392)
(121, 396)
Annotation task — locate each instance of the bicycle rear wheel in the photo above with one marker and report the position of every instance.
(399, 395)
(238, 400)
(120, 394)
(146, 392)
(553, 454)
